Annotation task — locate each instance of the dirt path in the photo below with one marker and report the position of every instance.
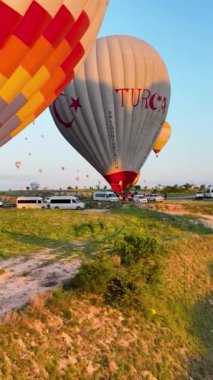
(22, 278)
(179, 209)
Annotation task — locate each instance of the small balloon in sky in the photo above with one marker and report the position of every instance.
(162, 138)
(18, 164)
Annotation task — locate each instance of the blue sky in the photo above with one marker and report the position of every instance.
(182, 32)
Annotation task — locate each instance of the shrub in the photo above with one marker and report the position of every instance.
(133, 248)
(94, 276)
(123, 290)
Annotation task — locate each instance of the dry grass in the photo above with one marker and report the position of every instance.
(72, 336)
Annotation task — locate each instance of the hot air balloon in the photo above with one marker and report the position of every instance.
(162, 138)
(62, 167)
(40, 170)
(18, 164)
(42, 43)
(34, 185)
(112, 111)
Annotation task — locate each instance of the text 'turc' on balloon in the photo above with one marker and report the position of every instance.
(113, 110)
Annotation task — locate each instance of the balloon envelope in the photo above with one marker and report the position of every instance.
(112, 111)
(34, 185)
(163, 137)
(18, 164)
(41, 45)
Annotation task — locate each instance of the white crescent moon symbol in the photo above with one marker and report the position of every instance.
(151, 102)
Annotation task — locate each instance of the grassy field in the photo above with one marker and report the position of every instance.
(75, 335)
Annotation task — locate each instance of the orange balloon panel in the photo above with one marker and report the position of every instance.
(42, 43)
(163, 137)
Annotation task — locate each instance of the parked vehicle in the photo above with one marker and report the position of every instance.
(64, 202)
(104, 196)
(199, 195)
(209, 192)
(139, 198)
(155, 198)
(29, 202)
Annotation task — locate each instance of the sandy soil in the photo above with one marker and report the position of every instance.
(22, 278)
(179, 209)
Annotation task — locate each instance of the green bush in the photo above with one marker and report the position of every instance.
(94, 276)
(128, 283)
(123, 290)
(133, 248)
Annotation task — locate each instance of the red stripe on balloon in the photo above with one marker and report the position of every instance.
(64, 83)
(78, 29)
(9, 20)
(72, 60)
(60, 26)
(33, 24)
(119, 181)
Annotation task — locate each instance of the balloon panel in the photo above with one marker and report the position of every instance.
(113, 110)
(41, 45)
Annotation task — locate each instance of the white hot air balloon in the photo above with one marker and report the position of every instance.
(113, 110)
(34, 185)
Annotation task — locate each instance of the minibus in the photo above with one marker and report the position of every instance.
(64, 202)
(105, 196)
(29, 202)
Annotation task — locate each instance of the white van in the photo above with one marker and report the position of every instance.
(29, 202)
(209, 192)
(105, 196)
(65, 203)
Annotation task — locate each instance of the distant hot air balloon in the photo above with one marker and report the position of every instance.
(18, 164)
(62, 167)
(42, 43)
(163, 137)
(29, 154)
(40, 170)
(34, 185)
(87, 175)
(112, 111)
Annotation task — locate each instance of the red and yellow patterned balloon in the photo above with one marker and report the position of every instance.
(42, 44)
